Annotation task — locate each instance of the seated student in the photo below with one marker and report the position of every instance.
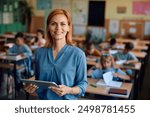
(126, 55)
(39, 40)
(107, 63)
(108, 45)
(91, 50)
(21, 48)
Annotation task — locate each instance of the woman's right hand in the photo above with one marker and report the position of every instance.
(30, 88)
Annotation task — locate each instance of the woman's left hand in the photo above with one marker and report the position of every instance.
(61, 90)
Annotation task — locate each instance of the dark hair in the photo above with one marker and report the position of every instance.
(19, 34)
(129, 46)
(40, 31)
(112, 41)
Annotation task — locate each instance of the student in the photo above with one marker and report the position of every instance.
(40, 41)
(107, 63)
(59, 61)
(21, 48)
(91, 50)
(126, 54)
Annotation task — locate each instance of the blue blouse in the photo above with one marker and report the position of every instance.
(98, 73)
(68, 68)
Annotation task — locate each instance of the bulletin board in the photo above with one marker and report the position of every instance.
(141, 7)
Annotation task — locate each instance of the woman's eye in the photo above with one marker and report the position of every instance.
(63, 24)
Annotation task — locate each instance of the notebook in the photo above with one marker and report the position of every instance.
(117, 91)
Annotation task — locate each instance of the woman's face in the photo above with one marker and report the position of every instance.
(58, 27)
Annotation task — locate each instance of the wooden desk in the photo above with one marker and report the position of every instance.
(137, 41)
(104, 90)
(122, 46)
(136, 67)
(13, 59)
(78, 38)
(140, 55)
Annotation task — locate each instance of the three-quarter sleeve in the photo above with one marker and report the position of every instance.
(81, 75)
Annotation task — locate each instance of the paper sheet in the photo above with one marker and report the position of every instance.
(108, 81)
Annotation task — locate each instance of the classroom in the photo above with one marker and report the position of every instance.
(74, 49)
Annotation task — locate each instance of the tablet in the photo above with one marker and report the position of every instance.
(40, 83)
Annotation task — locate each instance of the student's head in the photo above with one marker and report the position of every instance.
(59, 27)
(40, 33)
(19, 38)
(89, 46)
(128, 47)
(107, 61)
(112, 41)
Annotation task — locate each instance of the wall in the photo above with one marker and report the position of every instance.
(111, 10)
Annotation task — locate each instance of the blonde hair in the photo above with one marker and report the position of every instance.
(107, 57)
(49, 40)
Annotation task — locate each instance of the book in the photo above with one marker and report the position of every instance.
(117, 91)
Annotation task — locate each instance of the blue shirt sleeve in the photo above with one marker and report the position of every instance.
(40, 91)
(131, 56)
(81, 75)
(97, 74)
(12, 49)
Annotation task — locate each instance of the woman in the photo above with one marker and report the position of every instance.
(59, 61)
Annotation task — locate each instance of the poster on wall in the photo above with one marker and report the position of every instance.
(141, 7)
(147, 29)
(79, 12)
(113, 26)
(43, 4)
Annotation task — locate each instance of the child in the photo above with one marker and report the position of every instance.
(21, 48)
(40, 41)
(126, 55)
(107, 63)
(91, 50)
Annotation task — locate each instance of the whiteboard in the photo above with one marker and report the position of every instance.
(147, 29)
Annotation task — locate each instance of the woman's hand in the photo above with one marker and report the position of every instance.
(62, 90)
(30, 88)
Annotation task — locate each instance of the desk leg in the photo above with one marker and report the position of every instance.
(15, 79)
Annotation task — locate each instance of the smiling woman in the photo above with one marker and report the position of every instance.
(59, 61)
